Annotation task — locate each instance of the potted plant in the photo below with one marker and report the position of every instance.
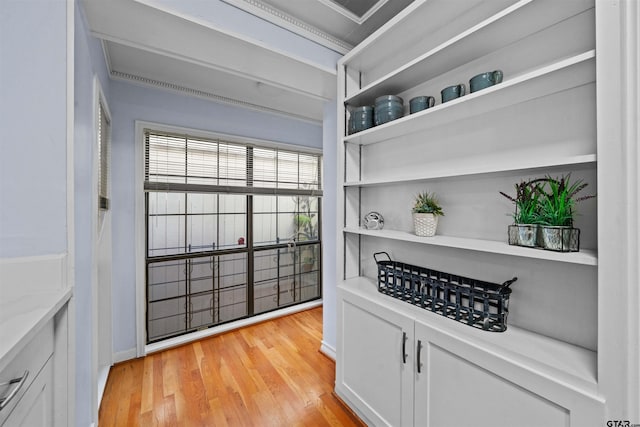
(557, 207)
(426, 211)
(306, 228)
(526, 215)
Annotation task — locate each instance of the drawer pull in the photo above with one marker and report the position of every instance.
(19, 382)
(404, 347)
(419, 363)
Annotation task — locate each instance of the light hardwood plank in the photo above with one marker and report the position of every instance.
(270, 374)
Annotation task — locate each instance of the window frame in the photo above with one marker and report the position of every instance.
(143, 188)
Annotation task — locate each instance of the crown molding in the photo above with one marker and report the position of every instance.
(119, 75)
(286, 21)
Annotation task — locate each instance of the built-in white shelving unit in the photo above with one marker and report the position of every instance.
(462, 151)
(584, 257)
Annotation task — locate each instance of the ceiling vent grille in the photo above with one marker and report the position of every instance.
(356, 10)
(357, 7)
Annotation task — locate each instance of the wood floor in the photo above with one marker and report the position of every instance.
(270, 374)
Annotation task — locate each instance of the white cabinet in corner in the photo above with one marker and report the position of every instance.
(26, 384)
(396, 368)
(35, 408)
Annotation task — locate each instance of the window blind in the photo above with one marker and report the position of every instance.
(104, 128)
(184, 163)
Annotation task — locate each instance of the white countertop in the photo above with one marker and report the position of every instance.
(22, 316)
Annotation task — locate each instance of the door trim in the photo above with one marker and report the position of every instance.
(101, 300)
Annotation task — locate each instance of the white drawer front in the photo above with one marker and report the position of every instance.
(30, 361)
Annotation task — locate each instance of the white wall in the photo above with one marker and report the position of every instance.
(89, 62)
(33, 144)
(129, 103)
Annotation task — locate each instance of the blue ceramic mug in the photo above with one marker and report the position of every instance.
(452, 92)
(485, 80)
(420, 103)
(361, 118)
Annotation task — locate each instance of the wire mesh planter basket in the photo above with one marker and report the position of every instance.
(483, 305)
(559, 239)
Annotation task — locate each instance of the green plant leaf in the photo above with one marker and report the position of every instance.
(427, 203)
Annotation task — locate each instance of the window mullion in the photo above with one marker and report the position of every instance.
(187, 245)
(298, 171)
(250, 257)
(249, 238)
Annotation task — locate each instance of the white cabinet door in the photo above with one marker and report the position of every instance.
(461, 385)
(375, 362)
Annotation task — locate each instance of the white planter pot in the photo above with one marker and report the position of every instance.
(425, 224)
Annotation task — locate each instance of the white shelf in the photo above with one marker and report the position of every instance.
(562, 75)
(499, 162)
(499, 29)
(548, 357)
(584, 257)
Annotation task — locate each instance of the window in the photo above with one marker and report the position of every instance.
(233, 230)
(104, 136)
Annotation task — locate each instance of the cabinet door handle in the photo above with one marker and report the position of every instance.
(404, 347)
(19, 382)
(418, 363)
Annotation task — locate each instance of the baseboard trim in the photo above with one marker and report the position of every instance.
(354, 416)
(103, 375)
(122, 356)
(215, 330)
(328, 350)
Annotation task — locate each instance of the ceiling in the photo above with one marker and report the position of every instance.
(215, 50)
(340, 29)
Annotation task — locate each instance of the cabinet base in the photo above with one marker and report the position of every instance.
(348, 409)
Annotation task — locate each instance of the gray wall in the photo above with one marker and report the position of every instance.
(33, 141)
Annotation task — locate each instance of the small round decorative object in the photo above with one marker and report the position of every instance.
(373, 221)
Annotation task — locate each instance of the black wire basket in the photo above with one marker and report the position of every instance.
(483, 305)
